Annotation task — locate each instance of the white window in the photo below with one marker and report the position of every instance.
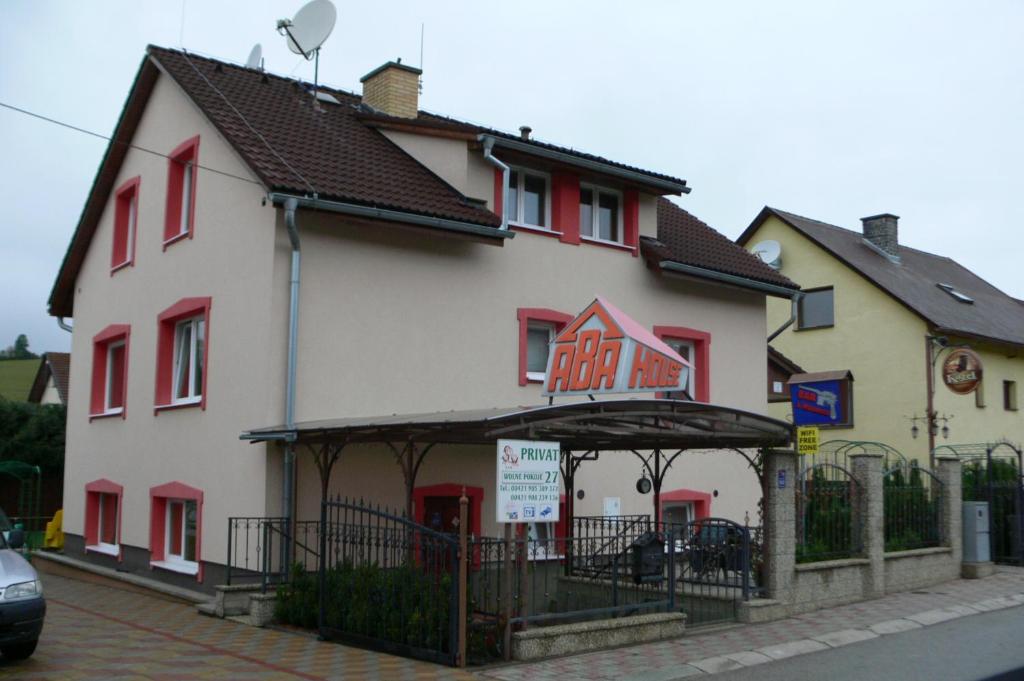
(185, 223)
(180, 533)
(527, 200)
(685, 349)
(188, 360)
(106, 523)
(538, 339)
(600, 214)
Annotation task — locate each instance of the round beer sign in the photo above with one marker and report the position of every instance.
(961, 372)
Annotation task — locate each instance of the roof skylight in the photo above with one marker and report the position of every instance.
(957, 295)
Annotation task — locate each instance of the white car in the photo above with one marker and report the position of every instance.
(22, 607)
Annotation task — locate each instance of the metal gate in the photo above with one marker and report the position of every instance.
(992, 473)
(388, 583)
(714, 569)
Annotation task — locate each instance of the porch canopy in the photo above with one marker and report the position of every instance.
(654, 430)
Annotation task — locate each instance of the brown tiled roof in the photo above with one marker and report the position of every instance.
(685, 239)
(914, 280)
(297, 146)
(58, 365)
(784, 362)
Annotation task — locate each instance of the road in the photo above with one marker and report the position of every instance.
(986, 646)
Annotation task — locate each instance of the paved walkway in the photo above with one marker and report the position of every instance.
(99, 632)
(747, 645)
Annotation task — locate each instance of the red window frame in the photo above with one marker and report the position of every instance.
(92, 531)
(187, 151)
(122, 252)
(474, 493)
(159, 496)
(525, 315)
(701, 501)
(702, 356)
(166, 322)
(101, 343)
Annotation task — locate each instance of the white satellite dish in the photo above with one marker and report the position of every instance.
(255, 57)
(770, 253)
(309, 29)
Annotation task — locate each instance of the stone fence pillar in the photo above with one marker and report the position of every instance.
(780, 471)
(948, 472)
(869, 514)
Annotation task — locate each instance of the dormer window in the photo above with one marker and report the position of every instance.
(527, 201)
(600, 214)
(957, 295)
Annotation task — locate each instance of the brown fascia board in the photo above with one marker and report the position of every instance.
(61, 300)
(998, 342)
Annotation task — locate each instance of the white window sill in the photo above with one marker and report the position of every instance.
(109, 549)
(534, 228)
(605, 242)
(537, 376)
(185, 567)
(180, 404)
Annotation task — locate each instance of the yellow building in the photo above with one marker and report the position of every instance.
(892, 316)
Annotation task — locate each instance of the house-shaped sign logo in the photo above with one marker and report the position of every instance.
(605, 351)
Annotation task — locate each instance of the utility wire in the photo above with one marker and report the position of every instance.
(127, 144)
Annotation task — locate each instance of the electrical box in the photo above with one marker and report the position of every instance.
(976, 532)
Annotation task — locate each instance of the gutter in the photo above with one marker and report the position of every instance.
(356, 210)
(668, 186)
(731, 279)
(505, 171)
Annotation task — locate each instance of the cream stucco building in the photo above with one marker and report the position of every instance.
(891, 315)
(430, 278)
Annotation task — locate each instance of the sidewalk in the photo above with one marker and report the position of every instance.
(746, 645)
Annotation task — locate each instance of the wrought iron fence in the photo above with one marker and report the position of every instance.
(256, 549)
(827, 518)
(996, 477)
(386, 582)
(912, 508)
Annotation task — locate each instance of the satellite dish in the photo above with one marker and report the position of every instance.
(310, 27)
(770, 253)
(255, 57)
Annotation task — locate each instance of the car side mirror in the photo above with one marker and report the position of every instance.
(16, 538)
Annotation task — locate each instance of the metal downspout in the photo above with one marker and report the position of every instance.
(287, 495)
(63, 324)
(488, 146)
(795, 300)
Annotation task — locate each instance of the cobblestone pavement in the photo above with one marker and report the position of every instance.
(745, 645)
(99, 632)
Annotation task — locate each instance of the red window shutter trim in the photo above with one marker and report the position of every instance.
(565, 207)
(158, 498)
(98, 389)
(92, 510)
(536, 314)
(125, 232)
(499, 193)
(631, 218)
(184, 152)
(183, 309)
(702, 356)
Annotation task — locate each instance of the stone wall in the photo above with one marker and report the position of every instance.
(800, 588)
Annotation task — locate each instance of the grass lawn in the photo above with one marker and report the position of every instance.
(16, 376)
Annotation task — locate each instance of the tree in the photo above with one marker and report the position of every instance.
(19, 350)
(33, 433)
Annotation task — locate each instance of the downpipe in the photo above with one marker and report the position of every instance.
(64, 325)
(505, 170)
(287, 494)
(795, 301)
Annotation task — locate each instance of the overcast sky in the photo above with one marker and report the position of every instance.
(830, 110)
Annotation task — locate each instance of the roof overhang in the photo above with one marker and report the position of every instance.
(611, 425)
(728, 279)
(637, 176)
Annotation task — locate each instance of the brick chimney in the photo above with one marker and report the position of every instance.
(883, 232)
(393, 88)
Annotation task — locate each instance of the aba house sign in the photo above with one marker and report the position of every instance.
(605, 351)
(961, 372)
(529, 481)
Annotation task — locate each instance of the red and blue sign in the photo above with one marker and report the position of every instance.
(818, 403)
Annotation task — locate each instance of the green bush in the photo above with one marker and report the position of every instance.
(408, 604)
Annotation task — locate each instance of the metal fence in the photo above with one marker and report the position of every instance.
(256, 549)
(912, 508)
(996, 477)
(827, 518)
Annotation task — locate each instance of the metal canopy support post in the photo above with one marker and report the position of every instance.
(570, 464)
(410, 458)
(654, 466)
